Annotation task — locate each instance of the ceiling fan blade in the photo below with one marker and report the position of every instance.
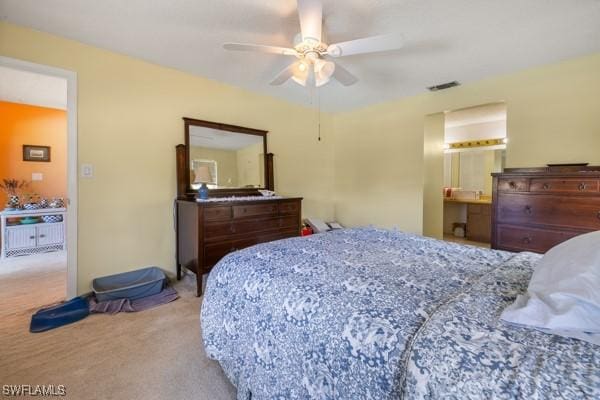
(311, 18)
(285, 74)
(260, 48)
(366, 45)
(343, 76)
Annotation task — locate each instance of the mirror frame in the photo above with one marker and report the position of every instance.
(268, 158)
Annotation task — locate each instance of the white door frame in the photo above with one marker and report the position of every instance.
(71, 236)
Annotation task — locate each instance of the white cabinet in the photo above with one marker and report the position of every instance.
(19, 237)
(50, 234)
(22, 239)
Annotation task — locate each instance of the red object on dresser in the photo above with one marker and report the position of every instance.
(306, 231)
(534, 209)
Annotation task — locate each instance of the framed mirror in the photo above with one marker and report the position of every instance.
(230, 159)
(471, 169)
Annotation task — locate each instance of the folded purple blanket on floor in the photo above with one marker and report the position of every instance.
(114, 306)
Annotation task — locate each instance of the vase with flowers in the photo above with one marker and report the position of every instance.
(12, 187)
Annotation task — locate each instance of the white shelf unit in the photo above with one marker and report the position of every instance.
(24, 239)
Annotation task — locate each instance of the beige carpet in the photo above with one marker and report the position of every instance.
(154, 354)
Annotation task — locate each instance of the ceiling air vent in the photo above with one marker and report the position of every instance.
(443, 86)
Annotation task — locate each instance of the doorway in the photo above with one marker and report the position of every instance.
(38, 234)
(474, 147)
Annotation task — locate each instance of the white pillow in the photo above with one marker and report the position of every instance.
(563, 296)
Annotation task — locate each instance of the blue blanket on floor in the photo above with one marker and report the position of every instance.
(62, 314)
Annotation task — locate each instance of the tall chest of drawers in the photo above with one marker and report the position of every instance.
(207, 231)
(536, 209)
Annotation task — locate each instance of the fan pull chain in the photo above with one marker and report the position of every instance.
(312, 91)
(319, 112)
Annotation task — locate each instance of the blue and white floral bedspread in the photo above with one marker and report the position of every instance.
(377, 314)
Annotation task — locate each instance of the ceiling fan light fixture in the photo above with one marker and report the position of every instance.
(324, 68)
(301, 72)
(299, 80)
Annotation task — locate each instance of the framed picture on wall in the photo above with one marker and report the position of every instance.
(36, 153)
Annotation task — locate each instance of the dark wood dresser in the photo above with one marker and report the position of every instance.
(537, 208)
(207, 231)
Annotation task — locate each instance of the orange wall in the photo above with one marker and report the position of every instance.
(24, 124)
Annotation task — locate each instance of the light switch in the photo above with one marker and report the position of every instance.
(87, 171)
(37, 176)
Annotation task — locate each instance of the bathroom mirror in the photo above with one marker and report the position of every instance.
(471, 169)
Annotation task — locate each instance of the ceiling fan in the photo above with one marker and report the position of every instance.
(313, 65)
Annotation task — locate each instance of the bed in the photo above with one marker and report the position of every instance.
(377, 314)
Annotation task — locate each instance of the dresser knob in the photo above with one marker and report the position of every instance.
(42, 236)
(31, 237)
(232, 229)
(546, 186)
(527, 240)
(528, 210)
(582, 186)
(512, 185)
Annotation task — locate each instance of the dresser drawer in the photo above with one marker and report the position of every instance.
(562, 211)
(564, 185)
(217, 213)
(517, 238)
(290, 222)
(235, 227)
(252, 210)
(218, 229)
(513, 185)
(283, 234)
(289, 207)
(214, 252)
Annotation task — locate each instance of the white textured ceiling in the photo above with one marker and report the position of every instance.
(25, 87)
(464, 40)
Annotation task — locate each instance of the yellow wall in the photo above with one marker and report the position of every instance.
(26, 124)
(553, 116)
(433, 151)
(378, 167)
(129, 121)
